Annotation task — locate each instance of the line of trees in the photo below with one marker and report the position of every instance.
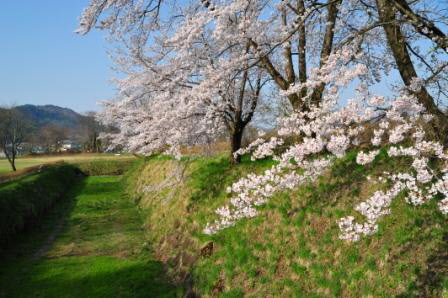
(20, 136)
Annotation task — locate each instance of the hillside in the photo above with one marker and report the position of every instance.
(41, 116)
(291, 248)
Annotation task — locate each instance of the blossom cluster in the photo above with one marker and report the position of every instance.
(260, 148)
(365, 158)
(336, 131)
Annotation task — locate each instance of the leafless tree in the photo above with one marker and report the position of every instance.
(13, 131)
(52, 137)
(91, 130)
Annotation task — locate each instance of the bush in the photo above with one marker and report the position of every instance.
(105, 167)
(25, 201)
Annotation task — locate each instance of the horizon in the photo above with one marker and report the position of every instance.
(50, 105)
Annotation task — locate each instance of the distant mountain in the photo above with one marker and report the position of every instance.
(45, 115)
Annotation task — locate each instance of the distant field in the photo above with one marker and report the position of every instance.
(25, 162)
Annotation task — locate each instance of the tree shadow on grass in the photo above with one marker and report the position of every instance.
(429, 282)
(91, 277)
(102, 187)
(25, 272)
(40, 232)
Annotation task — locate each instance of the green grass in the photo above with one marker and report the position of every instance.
(25, 162)
(299, 253)
(292, 247)
(99, 250)
(105, 167)
(24, 202)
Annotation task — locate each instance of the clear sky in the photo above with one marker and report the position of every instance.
(43, 62)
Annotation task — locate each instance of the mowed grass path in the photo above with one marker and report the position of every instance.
(92, 245)
(25, 162)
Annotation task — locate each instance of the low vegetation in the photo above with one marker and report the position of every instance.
(292, 248)
(97, 241)
(25, 162)
(23, 202)
(99, 249)
(105, 167)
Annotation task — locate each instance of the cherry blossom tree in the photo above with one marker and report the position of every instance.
(212, 60)
(404, 27)
(188, 93)
(274, 29)
(141, 119)
(198, 68)
(327, 133)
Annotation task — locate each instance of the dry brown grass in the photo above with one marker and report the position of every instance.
(31, 164)
(6, 177)
(213, 149)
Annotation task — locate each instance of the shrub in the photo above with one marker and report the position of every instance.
(25, 201)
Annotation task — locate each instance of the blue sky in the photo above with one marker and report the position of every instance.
(43, 62)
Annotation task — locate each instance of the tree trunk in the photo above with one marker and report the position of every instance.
(11, 159)
(397, 44)
(281, 82)
(94, 143)
(289, 65)
(235, 142)
(327, 47)
(302, 50)
(421, 24)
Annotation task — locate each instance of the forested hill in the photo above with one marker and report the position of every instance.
(45, 115)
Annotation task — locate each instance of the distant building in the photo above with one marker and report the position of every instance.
(39, 150)
(69, 145)
(24, 148)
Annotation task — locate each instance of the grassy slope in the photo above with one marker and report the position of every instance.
(25, 162)
(292, 247)
(99, 251)
(25, 201)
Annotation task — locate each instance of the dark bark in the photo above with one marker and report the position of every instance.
(397, 44)
(235, 143)
(302, 50)
(240, 118)
(12, 161)
(421, 24)
(281, 82)
(238, 125)
(11, 157)
(289, 66)
(327, 47)
(284, 83)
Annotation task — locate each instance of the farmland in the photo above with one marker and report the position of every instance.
(25, 162)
